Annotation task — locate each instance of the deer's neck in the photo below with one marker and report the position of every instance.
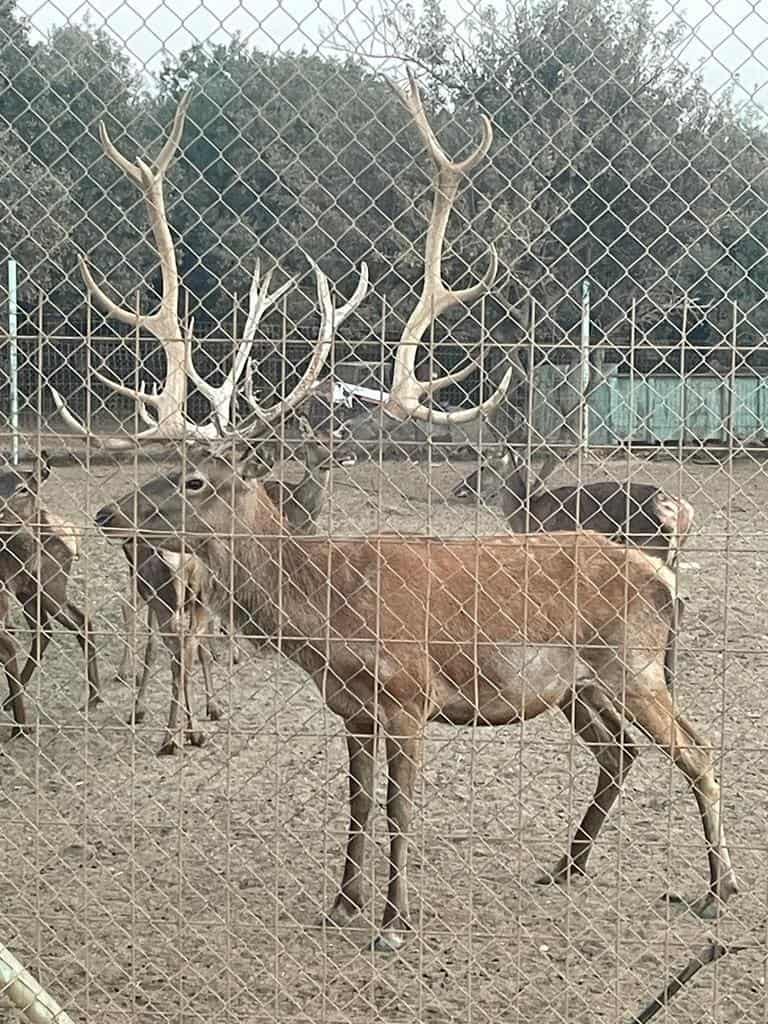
(307, 500)
(275, 580)
(519, 496)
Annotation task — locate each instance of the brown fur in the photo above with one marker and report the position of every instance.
(36, 552)
(398, 631)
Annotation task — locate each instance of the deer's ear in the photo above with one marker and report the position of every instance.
(256, 462)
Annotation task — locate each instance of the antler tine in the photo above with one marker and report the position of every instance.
(101, 298)
(330, 319)
(413, 103)
(153, 435)
(221, 396)
(125, 391)
(407, 392)
(117, 158)
(259, 300)
(146, 419)
(166, 155)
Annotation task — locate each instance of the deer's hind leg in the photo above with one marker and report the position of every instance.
(8, 656)
(141, 682)
(601, 729)
(212, 709)
(647, 702)
(201, 643)
(74, 619)
(39, 623)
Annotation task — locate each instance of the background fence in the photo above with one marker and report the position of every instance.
(626, 195)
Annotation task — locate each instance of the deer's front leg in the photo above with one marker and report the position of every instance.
(404, 749)
(361, 745)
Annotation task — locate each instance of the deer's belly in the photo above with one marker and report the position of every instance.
(507, 684)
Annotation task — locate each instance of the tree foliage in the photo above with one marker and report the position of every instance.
(289, 156)
(610, 159)
(35, 215)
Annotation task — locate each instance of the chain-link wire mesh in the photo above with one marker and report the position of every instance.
(378, 379)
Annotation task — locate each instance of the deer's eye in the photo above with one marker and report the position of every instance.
(194, 483)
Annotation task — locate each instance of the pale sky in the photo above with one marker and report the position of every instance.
(728, 39)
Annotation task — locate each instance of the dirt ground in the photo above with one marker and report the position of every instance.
(144, 889)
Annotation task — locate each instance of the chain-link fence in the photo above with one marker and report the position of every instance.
(376, 381)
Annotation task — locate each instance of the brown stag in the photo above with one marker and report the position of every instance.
(398, 632)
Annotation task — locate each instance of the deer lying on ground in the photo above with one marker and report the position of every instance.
(631, 513)
(398, 632)
(176, 590)
(37, 549)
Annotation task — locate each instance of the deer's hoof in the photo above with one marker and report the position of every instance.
(342, 913)
(196, 739)
(387, 941)
(137, 717)
(169, 748)
(214, 712)
(710, 907)
(564, 871)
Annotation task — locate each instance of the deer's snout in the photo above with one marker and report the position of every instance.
(105, 517)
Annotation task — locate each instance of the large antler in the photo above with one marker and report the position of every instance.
(168, 402)
(407, 392)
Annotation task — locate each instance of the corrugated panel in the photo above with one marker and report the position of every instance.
(662, 408)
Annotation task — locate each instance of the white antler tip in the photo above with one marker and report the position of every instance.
(506, 380)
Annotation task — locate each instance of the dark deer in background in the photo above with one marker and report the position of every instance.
(639, 514)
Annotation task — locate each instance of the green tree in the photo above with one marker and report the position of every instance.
(34, 217)
(79, 76)
(34, 212)
(611, 158)
(286, 153)
(85, 77)
(16, 62)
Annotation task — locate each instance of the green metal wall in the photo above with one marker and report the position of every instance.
(664, 408)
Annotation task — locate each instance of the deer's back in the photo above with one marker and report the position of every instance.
(508, 588)
(627, 512)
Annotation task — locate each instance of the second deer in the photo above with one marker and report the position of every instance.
(37, 549)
